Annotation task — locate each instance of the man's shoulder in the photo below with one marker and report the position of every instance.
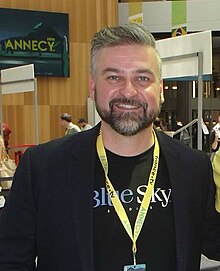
(67, 143)
(178, 147)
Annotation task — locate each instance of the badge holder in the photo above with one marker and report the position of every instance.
(137, 267)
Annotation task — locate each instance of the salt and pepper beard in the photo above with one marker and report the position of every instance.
(128, 123)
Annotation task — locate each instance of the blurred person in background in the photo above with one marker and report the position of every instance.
(66, 121)
(215, 136)
(83, 124)
(158, 125)
(6, 134)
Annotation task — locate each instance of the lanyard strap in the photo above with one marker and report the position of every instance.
(114, 196)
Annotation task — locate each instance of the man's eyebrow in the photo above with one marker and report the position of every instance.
(145, 70)
(109, 69)
(138, 71)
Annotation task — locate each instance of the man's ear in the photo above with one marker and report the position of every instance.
(162, 99)
(91, 87)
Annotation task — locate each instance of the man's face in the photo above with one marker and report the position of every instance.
(63, 123)
(127, 87)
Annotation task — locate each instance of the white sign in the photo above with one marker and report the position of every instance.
(18, 79)
(179, 54)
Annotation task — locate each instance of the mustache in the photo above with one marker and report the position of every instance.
(127, 101)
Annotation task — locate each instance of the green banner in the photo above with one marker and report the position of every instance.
(179, 17)
(35, 37)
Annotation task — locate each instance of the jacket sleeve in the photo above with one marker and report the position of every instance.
(18, 222)
(211, 243)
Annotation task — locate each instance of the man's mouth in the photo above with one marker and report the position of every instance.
(127, 106)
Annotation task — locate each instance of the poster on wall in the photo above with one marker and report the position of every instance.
(35, 37)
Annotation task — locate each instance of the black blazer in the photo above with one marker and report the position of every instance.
(48, 213)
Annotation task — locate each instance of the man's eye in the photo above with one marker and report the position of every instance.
(113, 77)
(142, 78)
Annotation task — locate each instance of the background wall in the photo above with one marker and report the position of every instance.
(58, 95)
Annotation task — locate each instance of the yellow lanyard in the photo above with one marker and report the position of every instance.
(114, 196)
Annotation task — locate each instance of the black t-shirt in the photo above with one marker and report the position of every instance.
(156, 242)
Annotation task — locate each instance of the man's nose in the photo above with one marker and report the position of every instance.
(128, 89)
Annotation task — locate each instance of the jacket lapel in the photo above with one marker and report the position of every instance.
(81, 169)
(173, 159)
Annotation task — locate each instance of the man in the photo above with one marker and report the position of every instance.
(157, 124)
(66, 121)
(118, 196)
(83, 124)
(215, 136)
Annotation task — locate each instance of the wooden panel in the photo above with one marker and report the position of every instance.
(13, 99)
(80, 83)
(14, 116)
(29, 125)
(44, 119)
(43, 97)
(58, 95)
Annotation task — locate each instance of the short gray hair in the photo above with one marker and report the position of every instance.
(121, 35)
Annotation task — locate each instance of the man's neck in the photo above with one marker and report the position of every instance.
(127, 145)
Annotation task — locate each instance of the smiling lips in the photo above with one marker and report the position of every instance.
(126, 104)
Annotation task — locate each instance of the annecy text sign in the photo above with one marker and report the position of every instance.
(35, 37)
